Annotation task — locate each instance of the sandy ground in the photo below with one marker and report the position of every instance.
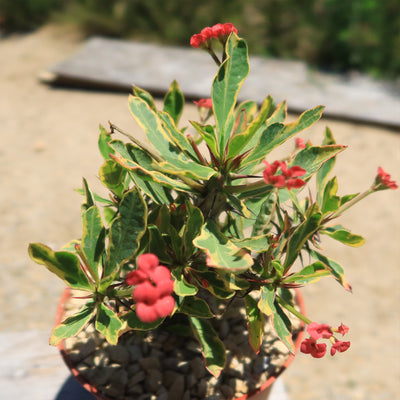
(48, 142)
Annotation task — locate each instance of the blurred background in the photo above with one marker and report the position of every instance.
(333, 35)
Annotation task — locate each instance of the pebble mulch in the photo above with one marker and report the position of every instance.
(157, 365)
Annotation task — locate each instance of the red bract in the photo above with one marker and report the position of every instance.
(197, 40)
(204, 103)
(318, 331)
(300, 144)
(287, 179)
(384, 179)
(147, 261)
(154, 286)
(339, 346)
(310, 346)
(342, 329)
(219, 31)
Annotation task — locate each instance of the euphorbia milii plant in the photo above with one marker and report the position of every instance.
(201, 214)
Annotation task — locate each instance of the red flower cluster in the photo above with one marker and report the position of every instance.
(204, 103)
(323, 331)
(154, 286)
(216, 31)
(288, 178)
(383, 180)
(300, 144)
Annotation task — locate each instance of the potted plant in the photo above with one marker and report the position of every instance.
(202, 238)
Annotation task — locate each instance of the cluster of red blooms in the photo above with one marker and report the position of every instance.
(288, 178)
(384, 179)
(219, 31)
(323, 331)
(154, 286)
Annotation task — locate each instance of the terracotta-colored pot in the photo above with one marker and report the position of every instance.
(260, 394)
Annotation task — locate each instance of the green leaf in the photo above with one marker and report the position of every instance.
(174, 101)
(266, 303)
(212, 348)
(149, 121)
(135, 323)
(72, 325)
(126, 230)
(192, 229)
(112, 176)
(181, 287)
(226, 86)
(195, 307)
(214, 283)
(89, 199)
(151, 176)
(330, 201)
(208, 135)
(62, 263)
(220, 251)
(145, 96)
(244, 114)
(282, 327)
(240, 140)
(265, 215)
(108, 323)
(343, 235)
(336, 269)
(310, 274)
(277, 133)
(93, 238)
(326, 168)
(258, 244)
(255, 323)
(302, 233)
(144, 164)
(176, 135)
(157, 245)
(313, 157)
(104, 139)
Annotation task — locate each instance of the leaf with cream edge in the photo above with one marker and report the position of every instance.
(174, 101)
(212, 348)
(336, 269)
(126, 230)
(108, 323)
(226, 86)
(222, 252)
(343, 235)
(64, 264)
(72, 325)
(255, 323)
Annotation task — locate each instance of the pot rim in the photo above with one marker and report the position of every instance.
(100, 396)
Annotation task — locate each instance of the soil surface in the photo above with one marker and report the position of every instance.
(48, 143)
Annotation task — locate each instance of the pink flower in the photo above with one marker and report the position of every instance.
(153, 290)
(383, 180)
(318, 331)
(288, 178)
(204, 103)
(339, 346)
(310, 346)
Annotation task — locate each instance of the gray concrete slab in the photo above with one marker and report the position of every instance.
(116, 65)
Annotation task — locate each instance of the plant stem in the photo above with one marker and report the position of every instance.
(349, 204)
(292, 310)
